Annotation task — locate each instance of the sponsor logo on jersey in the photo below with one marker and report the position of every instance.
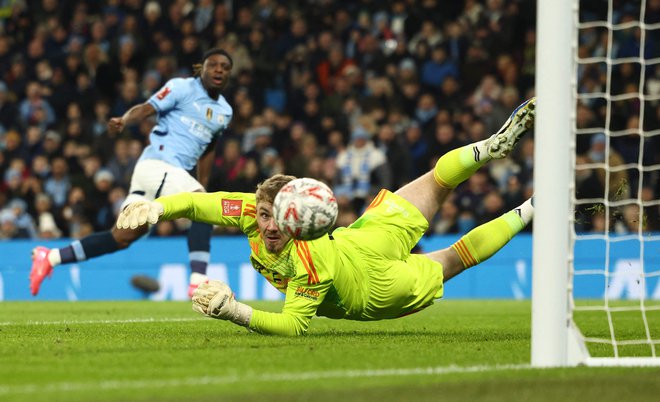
(198, 129)
(307, 293)
(163, 93)
(209, 114)
(232, 207)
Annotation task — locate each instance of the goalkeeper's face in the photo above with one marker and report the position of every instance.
(273, 238)
(215, 73)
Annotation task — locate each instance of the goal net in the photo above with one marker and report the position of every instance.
(610, 232)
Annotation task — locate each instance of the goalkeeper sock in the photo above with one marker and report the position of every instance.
(199, 246)
(482, 242)
(459, 164)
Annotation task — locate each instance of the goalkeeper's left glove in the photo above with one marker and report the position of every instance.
(138, 213)
(216, 300)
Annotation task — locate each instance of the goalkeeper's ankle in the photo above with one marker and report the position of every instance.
(480, 151)
(54, 257)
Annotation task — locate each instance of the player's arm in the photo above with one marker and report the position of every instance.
(134, 115)
(215, 299)
(219, 208)
(173, 92)
(205, 164)
(302, 301)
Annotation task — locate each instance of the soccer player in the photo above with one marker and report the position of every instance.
(192, 114)
(363, 272)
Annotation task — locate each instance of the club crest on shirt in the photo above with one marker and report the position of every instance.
(307, 293)
(209, 114)
(163, 93)
(232, 207)
(221, 119)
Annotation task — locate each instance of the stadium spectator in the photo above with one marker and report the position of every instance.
(618, 186)
(438, 68)
(58, 184)
(122, 164)
(34, 109)
(397, 155)
(7, 108)
(361, 169)
(8, 227)
(46, 223)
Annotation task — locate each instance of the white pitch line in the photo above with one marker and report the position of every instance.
(218, 380)
(126, 321)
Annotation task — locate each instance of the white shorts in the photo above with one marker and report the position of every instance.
(153, 178)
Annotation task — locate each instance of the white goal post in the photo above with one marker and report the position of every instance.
(556, 339)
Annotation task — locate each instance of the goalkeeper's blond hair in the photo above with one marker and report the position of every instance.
(267, 189)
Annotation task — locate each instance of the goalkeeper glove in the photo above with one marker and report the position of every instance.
(216, 300)
(138, 213)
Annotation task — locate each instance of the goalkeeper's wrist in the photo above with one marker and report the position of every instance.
(242, 314)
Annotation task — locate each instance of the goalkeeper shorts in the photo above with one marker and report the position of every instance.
(381, 240)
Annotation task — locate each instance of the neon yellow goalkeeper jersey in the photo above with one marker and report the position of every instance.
(329, 276)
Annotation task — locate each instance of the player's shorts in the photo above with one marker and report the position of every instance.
(153, 178)
(400, 282)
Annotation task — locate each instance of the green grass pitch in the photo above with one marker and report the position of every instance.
(162, 351)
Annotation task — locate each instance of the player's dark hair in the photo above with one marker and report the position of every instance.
(267, 189)
(197, 68)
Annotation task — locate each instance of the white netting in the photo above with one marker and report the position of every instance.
(615, 262)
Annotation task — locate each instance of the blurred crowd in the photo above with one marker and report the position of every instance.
(361, 94)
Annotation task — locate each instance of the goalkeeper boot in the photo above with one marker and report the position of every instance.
(195, 280)
(41, 268)
(500, 144)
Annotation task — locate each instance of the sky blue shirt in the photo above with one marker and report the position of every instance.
(188, 121)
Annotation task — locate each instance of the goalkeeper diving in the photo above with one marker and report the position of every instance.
(363, 272)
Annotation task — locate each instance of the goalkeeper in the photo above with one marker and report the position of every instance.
(362, 272)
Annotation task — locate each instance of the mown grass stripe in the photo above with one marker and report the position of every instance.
(125, 321)
(218, 380)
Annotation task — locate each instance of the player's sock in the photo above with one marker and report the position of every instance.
(199, 246)
(89, 247)
(54, 257)
(483, 241)
(459, 164)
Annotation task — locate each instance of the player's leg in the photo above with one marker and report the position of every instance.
(199, 234)
(429, 191)
(199, 252)
(144, 185)
(483, 242)
(94, 245)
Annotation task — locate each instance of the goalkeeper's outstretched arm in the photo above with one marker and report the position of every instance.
(216, 300)
(198, 207)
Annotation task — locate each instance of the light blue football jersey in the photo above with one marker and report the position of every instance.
(188, 121)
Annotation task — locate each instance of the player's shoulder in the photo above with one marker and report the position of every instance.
(181, 82)
(222, 102)
(178, 86)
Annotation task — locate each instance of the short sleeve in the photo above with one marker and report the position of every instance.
(169, 95)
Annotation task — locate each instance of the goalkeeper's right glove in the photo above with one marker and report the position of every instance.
(138, 213)
(216, 300)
